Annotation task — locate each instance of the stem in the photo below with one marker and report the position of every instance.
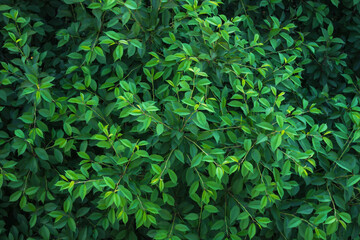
(172, 226)
(243, 207)
(226, 225)
(201, 210)
(332, 201)
(166, 163)
(187, 120)
(347, 144)
(127, 164)
(302, 219)
(97, 114)
(196, 145)
(153, 91)
(243, 159)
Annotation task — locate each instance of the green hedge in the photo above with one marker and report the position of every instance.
(171, 119)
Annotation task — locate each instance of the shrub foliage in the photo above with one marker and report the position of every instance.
(171, 119)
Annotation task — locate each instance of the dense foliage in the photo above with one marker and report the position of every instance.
(179, 119)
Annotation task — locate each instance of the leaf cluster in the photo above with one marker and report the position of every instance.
(172, 119)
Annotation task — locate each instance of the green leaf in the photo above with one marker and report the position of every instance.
(335, 2)
(256, 155)
(353, 180)
(44, 232)
(118, 53)
(345, 164)
(211, 209)
(225, 35)
(234, 213)
(332, 228)
(99, 51)
(201, 118)
(260, 50)
(182, 111)
(88, 116)
(196, 160)
(266, 126)
(109, 182)
(156, 158)
(83, 155)
(294, 223)
(289, 40)
(181, 227)
(252, 231)
(41, 153)
(213, 38)
(87, 80)
(136, 43)
(219, 172)
(32, 78)
(275, 141)
(263, 221)
(15, 196)
(33, 220)
(248, 166)
(31, 190)
(71, 69)
(71, 223)
(153, 62)
(192, 217)
(201, 121)
(216, 21)
(114, 35)
(261, 138)
(345, 216)
(99, 137)
(75, 55)
(238, 70)
(68, 129)
(161, 234)
(309, 233)
(247, 144)
(330, 29)
(159, 129)
(172, 176)
(82, 191)
(126, 192)
(19, 133)
(187, 48)
(4, 7)
(131, 4)
(179, 155)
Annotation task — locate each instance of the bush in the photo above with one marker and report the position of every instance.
(179, 119)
